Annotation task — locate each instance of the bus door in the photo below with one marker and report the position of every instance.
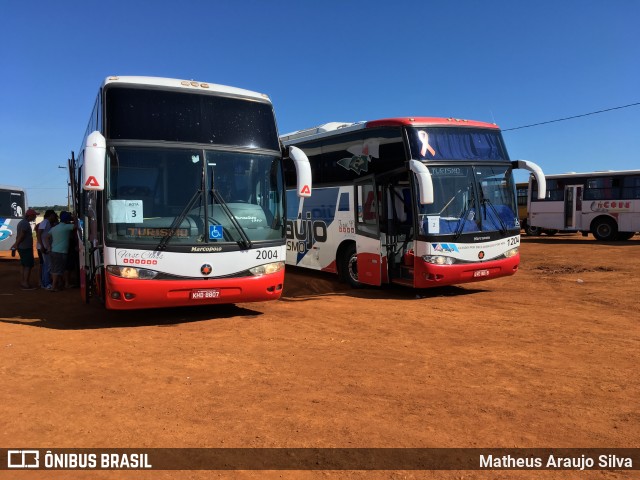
(573, 207)
(368, 242)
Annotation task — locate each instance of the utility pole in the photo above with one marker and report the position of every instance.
(68, 190)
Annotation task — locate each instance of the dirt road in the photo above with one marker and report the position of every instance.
(547, 358)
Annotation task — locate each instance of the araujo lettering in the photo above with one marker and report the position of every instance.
(303, 233)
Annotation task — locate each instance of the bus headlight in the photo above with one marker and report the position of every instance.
(511, 253)
(438, 259)
(131, 272)
(267, 268)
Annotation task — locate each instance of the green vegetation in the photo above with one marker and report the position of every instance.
(56, 208)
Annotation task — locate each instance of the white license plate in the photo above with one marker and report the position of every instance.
(481, 273)
(204, 294)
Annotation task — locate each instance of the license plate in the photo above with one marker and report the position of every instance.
(204, 294)
(481, 273)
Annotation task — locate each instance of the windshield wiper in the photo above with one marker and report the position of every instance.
(244, 241)
(485, 202)
(178, 221)
(463, 217)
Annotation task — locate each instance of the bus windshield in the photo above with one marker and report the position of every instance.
(467, 199)
(173, 197)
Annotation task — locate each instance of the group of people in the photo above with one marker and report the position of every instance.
(56, 249)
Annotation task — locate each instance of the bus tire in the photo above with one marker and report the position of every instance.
(349, 266)
(604, 229)
(551, 232)
(532, 231)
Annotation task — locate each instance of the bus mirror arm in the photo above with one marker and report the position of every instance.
(425, 183)
(537, 172)
(303, 171)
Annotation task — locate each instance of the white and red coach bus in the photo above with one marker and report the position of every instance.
(421, 202)
(605, 204)
(179, 190)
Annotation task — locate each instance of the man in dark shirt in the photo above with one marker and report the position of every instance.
(24, 245)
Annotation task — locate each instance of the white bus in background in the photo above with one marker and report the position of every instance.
(180, 196)
(13, 205)
(420, 202)
(606, 204)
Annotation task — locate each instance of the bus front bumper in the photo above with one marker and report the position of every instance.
(428, 275)
(128, 294)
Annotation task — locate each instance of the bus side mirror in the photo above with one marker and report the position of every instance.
(303, 171)
(537, 173)
(95, 152)
(425, 184)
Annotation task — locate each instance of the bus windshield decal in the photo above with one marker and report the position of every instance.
(424, 139)
(357, 163)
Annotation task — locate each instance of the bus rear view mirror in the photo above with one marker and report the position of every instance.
(537, 173)
(95, 151)
(303, 171)
(425, 184)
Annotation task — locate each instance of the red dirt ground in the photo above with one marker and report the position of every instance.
(547, 358)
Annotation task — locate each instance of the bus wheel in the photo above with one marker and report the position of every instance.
(604, 229)
(551, 232)
(532, 231)
(349, 266)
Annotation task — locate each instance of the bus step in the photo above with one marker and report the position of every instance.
(406, 272)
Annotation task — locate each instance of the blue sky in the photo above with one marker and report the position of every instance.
(509, 62)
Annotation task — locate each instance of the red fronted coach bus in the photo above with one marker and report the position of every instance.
(180, 195)
(421, 202)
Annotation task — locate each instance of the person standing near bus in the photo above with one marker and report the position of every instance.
(50, 220)
(58, 238)
(24, 245)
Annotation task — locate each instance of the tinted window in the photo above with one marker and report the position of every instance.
(522, 196)
(139, 114)
(433, 143)
(631, 189)
(602, 188)
(11, 204)
(343, 158)
(555, 189)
